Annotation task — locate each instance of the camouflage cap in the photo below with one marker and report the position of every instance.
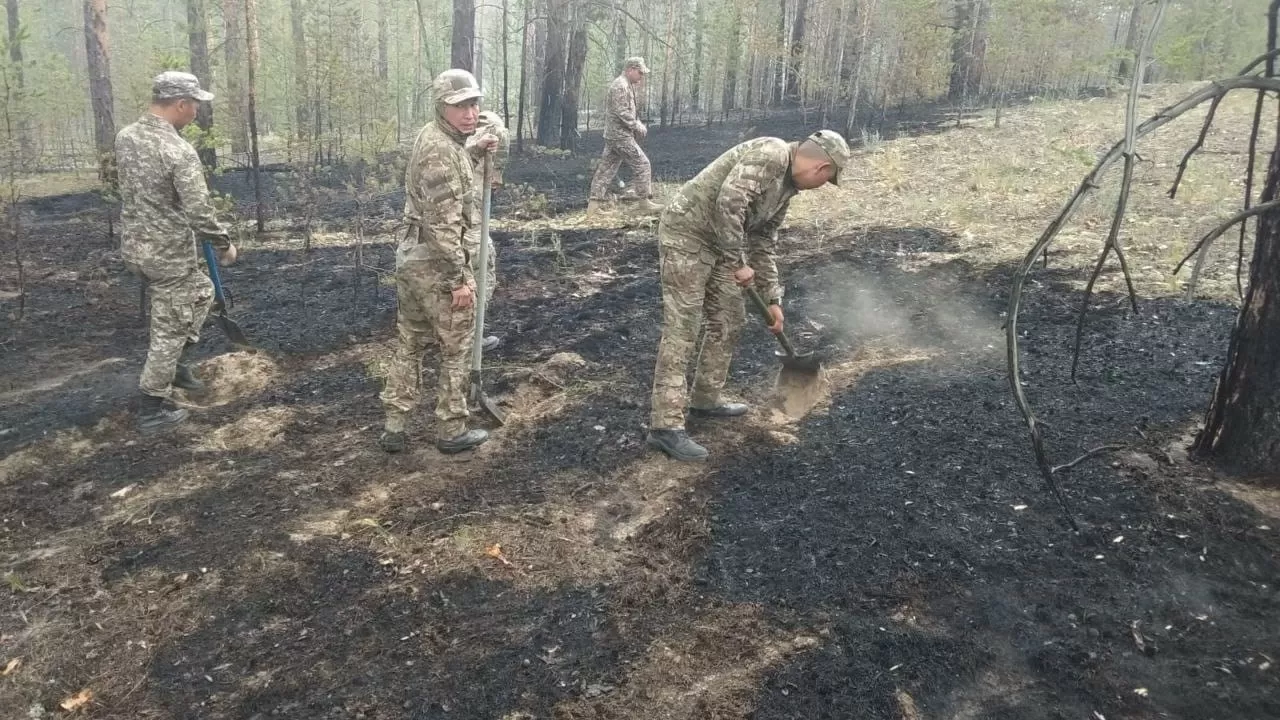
(174, 84)
(635, 63)
(453, 87)
(836, 148)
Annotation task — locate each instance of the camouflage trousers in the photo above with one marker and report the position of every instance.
(617, 153)
(698, 296)
(178, 309)
(424, 312)
(473, 249)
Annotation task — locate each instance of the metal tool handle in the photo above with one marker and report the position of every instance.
(763, 309)
(211, 260)
(482, 272)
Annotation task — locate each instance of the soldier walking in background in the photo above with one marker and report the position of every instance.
(435, 284)
(717, 235)
(165, 214)
(622, 129)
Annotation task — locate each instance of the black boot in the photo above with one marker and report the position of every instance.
(677, 444)
(720, 410)
(184, 378)
(157, 414)
(460, 443)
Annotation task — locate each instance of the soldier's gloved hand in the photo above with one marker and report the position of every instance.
(776, 326)
(463, 297)
(228, 256)
(744, 276)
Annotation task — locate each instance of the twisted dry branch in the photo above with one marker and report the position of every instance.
(1088, 184)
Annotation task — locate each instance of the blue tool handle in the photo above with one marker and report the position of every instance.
(211, 259)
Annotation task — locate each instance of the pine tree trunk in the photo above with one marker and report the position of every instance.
(98, 54)
(780, 75)
(506, 62)
(695, 83)
(574, 68)
(1242, 423)
(251, 31)
(419, 82)
(383, 64)
(198, 40)
(524, 64)
(301, 71)
(1131, 41)
(462, 49)
(26, 149)
(233, 45)
(619, 41)
(733, 61)
(968, 49)
(797, 54)
(552, 95)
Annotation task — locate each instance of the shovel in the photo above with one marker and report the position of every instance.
(476, 395)
(229, 326)
(799, 381)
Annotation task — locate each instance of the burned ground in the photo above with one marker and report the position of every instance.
(892, 555)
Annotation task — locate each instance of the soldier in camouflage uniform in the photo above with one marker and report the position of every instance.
(622, 128)
(435, 284)
(165, 214)
(716, 236)
(488, 125)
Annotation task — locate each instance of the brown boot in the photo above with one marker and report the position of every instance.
(644, 206)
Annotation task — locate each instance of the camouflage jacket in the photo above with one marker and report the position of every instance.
(734, 208)
(620, 110)
(440, 202)
(165, 202)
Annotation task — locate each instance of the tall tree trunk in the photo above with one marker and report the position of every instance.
(198, 40)
(251, 32)
(968, 49)
(233, 45)
(383, 64)
(26, 150)
(549, 113)
(301, 71)
(667, 64)
(620, 41)
(506, 63)
(797, 54)
(419, 82)
(1242, 423)
(780, 75)
(462, 49)
(1131, 39)
(98, 55)
(574, 67)
(695, 85)
(524, 65)
(733, 60)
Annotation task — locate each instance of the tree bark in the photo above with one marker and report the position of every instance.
(695, 83)
(383, 64)
(1131, 41)
(780, 76)
(26, 148)
(251, 30)
(620, 41)
(549, 109)
(462, 49)
(968, 49)
(733, 61)
(506, 42)
(198, 40)
(233, 46)
(797, 54)
(419, 82)
(524, 65)
(574, 67)
(301, 70)
(98, 55)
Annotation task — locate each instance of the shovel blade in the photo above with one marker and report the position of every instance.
(233, 331)
(800, 385)
(483, 402)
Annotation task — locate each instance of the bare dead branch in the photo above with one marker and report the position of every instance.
(1087, 185)
(1204, 131)
(1202, 247)
(1096, 451)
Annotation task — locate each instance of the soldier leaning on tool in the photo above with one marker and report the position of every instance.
(435, 285)
(717, 235)
(489, 125)
(165, 214)
(622, 128)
